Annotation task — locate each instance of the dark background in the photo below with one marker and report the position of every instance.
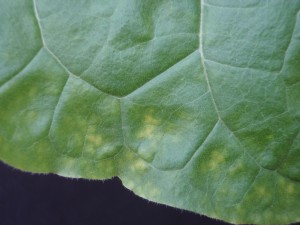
(28, 199)
(32, 199)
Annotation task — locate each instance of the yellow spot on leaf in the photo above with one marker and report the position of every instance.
(95, 139)
(31, 115)
(139, 165)
(216, 159)
(290, 188)
(146, 132)
(148, 190)
(261, 190)
(269, 137)
(130, 184)
(150, 124)
(239, 168)
(150, 120)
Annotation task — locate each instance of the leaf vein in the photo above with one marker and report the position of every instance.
(14, 77)
(55, 111)
(203, 59)
(55, 57)
(160, 74)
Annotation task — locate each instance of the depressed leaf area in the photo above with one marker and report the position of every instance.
(193, 104)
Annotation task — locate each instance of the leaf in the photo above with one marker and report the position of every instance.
(193, 104)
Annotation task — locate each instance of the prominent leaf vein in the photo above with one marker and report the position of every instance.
(13, 78)
(235, 66)
(290, 41)
(249, 188)
(159, 75)
(55, 57)
(55, 111)
(212, 96)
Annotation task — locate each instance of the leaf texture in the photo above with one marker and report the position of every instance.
(193, 104)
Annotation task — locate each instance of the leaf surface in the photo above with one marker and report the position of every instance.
(193, 104)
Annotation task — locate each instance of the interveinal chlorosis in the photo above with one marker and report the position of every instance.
(193, 104)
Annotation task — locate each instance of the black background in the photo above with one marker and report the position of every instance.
(28, 199)
(32, 199)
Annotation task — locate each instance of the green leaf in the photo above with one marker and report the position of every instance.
(193, 104)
